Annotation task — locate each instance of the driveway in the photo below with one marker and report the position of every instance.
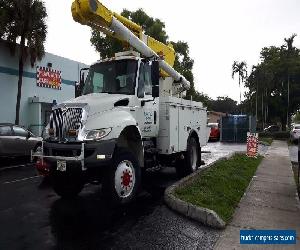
(221, 149)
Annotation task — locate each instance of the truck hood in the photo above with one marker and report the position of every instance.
(99, 102)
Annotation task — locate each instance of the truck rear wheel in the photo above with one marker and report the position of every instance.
(122, 181)
(191, 161)
(66, 185)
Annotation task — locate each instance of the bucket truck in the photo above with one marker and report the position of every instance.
(129, 117)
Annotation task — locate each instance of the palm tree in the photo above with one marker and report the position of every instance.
(289, 50)
(239, 68)
(23, 21)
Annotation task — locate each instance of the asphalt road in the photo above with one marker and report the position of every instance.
(33, 217)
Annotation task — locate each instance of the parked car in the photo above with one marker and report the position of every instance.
(295, 132)
(272, 128)
(214, 131)
(17, 141)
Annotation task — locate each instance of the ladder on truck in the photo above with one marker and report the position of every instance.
(96, 15)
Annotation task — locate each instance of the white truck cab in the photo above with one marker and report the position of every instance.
(129, 116)
(120, 125)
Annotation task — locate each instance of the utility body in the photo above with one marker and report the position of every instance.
(128, 118)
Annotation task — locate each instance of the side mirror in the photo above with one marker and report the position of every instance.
(79, 87)
(82, 77)
(155, 91)
(155, 73)
(28, 135)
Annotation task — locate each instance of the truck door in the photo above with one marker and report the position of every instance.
(148, 113)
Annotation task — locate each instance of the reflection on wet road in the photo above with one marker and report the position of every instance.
(33, 217)
(221, 149)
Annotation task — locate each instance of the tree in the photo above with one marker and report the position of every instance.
(24, 21)
(108, 46)
(184, 65)
(155, 28)
(296, 118)
(289, 52)
(239, 68)
(205, 99)
(275, 83)
(224, 104)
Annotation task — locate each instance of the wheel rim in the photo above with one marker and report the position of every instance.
(124, 179)
(193, 157)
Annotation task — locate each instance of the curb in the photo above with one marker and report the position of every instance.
(200, 214)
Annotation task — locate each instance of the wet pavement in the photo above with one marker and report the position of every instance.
(33, 217)
(221, 149)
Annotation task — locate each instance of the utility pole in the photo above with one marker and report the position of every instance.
(256, 100)
(240, 89)
(262, 109)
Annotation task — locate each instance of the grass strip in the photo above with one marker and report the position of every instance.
(221, 186)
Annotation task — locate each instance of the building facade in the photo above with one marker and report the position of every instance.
(215, 117)
(51, 80)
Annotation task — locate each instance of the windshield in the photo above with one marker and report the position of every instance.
(114, 77)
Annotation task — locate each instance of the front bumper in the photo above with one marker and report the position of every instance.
(87, 155)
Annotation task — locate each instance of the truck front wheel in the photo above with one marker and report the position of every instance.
(122, 181)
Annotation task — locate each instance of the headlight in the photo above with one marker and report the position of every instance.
(97, 134)
(48, 133)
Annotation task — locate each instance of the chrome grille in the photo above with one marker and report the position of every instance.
(64, 119)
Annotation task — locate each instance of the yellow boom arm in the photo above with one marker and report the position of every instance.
(96, 15)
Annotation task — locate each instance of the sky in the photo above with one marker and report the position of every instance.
(218, 32)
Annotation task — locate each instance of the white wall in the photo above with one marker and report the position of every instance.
(9, 81)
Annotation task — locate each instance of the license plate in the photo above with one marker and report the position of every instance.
(61, 166)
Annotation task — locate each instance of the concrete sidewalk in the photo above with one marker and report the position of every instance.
(270, 202)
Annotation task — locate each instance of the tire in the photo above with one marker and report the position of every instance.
(192, 159)
(122, 180)
(66, 185)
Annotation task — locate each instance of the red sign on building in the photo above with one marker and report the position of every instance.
(252, 144)
(48, 78)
